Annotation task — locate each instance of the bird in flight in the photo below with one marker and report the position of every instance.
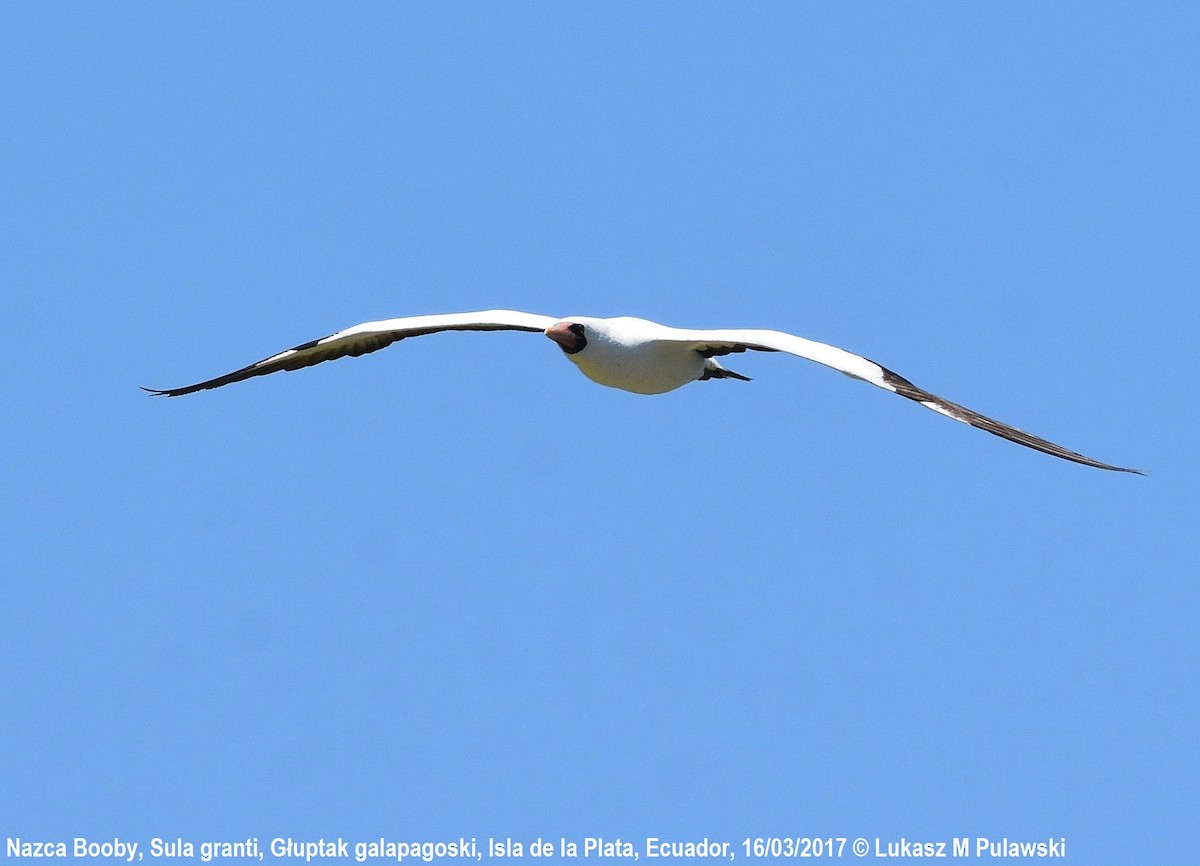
(631, 354)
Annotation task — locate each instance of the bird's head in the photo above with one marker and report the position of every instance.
(570, 336)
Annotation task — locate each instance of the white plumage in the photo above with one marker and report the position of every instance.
(631, 354)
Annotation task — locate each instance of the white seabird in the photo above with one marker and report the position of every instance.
(631, 354)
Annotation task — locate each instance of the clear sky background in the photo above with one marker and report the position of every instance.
(454, 588)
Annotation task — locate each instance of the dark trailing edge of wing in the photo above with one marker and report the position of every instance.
(721, 372)
(712, 351)
(907, 389)
(353, 346)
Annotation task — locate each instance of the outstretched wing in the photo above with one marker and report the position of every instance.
(369, 337)
(722, 342)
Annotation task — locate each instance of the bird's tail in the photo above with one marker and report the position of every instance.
(713, 370)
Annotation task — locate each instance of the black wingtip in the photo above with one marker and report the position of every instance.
(154, 392)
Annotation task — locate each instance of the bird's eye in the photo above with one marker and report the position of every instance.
(576, 329)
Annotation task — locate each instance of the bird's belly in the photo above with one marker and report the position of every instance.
(644, 374)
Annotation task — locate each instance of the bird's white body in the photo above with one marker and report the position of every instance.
(634, 355)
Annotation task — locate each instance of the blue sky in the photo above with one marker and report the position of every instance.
(454, 588)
